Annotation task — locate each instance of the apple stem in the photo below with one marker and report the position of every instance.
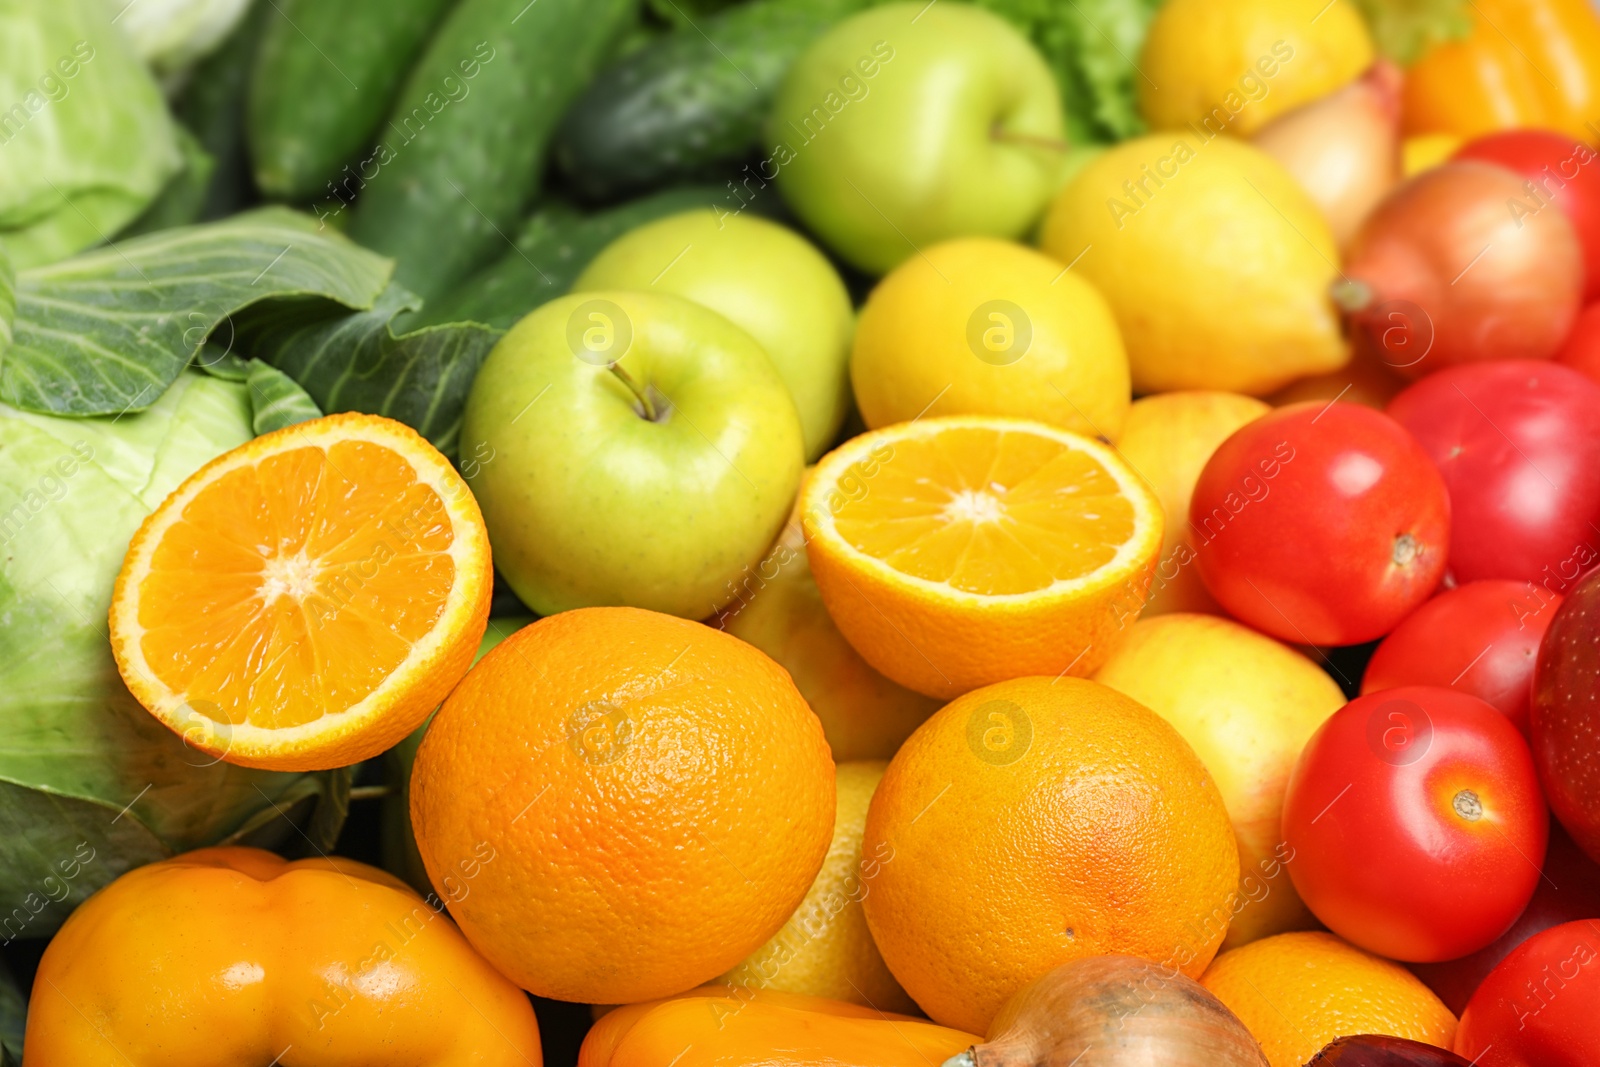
(1054, 144)
(1351, 295)
(641, 395)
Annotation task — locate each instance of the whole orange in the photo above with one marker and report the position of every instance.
(656, 795)
(1036, 821)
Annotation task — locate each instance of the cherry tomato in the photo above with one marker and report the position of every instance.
(1564, 718)
(1570, 889)
(1582, 349)
(1416, 823)
(1321, 524)
(1561, 173)
(1518, 444)
(1541, 1006)
(1481, 638)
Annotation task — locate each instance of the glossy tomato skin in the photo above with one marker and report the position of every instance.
(1541, 1006)
(1416, 823)
(1564, 719)
(1321, 524)
(1569, 890)
(1581, 351)
(1481, 638)
(1518, 444)
(1561, 173)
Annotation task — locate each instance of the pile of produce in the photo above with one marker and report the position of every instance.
(867, 533)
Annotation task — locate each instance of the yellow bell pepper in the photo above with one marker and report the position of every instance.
(720, 1026)
(228, 957)
(1525, 63)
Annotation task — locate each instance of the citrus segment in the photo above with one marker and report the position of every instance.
(960, 551)
(303, 601)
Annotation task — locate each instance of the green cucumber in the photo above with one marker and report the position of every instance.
(690, 100)
(463, 150)
(551, 250)
(325, 77)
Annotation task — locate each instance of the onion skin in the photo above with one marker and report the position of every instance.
(1114, 1011)
(1344, 148)
(1371, 1050)
(1463, 275)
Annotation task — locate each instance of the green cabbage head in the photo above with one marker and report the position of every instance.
(91, 784)
(86, 141)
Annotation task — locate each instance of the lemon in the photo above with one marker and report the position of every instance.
(1247, 705)
(1233, 64)
(825, 949)
(1214, 260)
(979, 326)
(1167, 440)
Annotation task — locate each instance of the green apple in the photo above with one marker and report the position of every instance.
(763, 277)
(629, 448)
(912, 123)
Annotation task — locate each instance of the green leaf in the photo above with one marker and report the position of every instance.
(276, 400)
(355, 362)
(108, 331)
(80, 758)
(1406, 30)
(13, 1018)
(8, 301)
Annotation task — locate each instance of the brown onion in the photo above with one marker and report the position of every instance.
(1455, 267)
(1343, 148)
(1114, 1011)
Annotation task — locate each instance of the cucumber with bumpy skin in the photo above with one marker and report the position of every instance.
(323, 81)
(463, 149)
(554, 245)
(690, 100)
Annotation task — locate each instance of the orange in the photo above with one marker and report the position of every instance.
(1167, 439)
(657, 793)
(1297, 992)
(305, 600)
(778, 609)
(960, 551)
(1035, 822)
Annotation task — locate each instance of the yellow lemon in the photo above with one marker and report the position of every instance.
(1167, 440)
(1246, 704)
(1214, 260)
(825, 949)
(1297, 992)
(1233, 64)
(978, 326)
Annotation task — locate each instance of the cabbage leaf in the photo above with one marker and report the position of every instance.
(86, 141)
(106, 332)
(91, 784)
(356, 362)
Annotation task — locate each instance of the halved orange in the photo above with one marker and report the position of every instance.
(304, 601)
(957, 552)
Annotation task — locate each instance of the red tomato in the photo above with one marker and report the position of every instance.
(1416, 823)
(1321, 524)
(1570, 889)
(1560, 172)
(1582, 349)
(1481, 638)
(1541, 1006)
(1564, 715)
(1518, 444)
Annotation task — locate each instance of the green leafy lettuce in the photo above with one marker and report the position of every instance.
(91, 784)
(1093, 47)
(86, 141)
